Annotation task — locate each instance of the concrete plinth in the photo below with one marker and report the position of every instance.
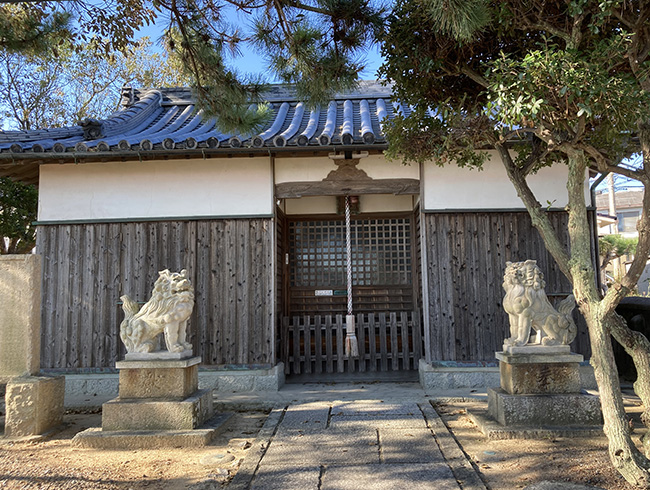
(169, 380)
(558, 410)
(34, 405)
(142, 414)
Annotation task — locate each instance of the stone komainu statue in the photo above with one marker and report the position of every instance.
(529, 309)
(171, 304)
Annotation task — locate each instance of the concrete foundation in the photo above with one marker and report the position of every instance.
(243, 380)
(34, 405)
(439, 378)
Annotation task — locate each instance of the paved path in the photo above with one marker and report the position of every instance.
(356, 444)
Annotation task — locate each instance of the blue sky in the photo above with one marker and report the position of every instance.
(251, 62)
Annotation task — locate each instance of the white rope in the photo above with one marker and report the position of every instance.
(348, 252)
(351, 345)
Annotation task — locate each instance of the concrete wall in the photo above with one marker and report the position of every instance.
(154, 189)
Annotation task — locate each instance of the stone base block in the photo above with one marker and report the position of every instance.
(540, 378)
(537, 349)
(151, 414)
(34, 405)
(495, 431)
(158, 355)
(562, 410)
(146, 439)
(169, 380)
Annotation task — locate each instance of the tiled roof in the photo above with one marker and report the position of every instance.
(624, 200)
(166, 120)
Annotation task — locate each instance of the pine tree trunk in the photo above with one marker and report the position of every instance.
(625, 456)
(635, 343)
(638, 347)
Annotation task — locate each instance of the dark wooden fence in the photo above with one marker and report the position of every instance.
(387, 342)
(87, 267)
(466, 254)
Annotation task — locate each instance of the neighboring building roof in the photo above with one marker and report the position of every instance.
(624, 200)
(166, 122)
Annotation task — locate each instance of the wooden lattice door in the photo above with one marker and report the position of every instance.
(381, 266)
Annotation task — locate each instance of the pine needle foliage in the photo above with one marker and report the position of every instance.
(458, 19)
(615, 246)
(33, 29)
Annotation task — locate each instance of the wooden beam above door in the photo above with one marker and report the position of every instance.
(294, 190)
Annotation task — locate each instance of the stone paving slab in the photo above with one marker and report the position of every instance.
(365, 445)
(409, 446)
(389, 477)
(323, 448)
(305, 419)
(398, 421)
(332, 436)
(286, 478)
(378, 407)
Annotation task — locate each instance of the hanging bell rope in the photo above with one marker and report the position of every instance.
(351, 345)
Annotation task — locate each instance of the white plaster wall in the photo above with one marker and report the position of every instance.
(316, 169)
(377, 167)
(374, 203)
(313, 169)
(310, 205)
(452, 187)
(155, 189)
(384, 203)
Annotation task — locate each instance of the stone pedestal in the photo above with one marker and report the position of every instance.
(34, 405)
(159, 404)
(20, 316)
(539, 374)
(160, 379)
(540, 395)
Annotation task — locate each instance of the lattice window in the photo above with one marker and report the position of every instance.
(381, 253)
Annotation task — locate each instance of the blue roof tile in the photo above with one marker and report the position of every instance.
(166, 120)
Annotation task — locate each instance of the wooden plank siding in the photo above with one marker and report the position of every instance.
(467, 253)
(466, 258)
(87, 267)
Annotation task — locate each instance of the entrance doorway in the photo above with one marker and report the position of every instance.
(384, 294)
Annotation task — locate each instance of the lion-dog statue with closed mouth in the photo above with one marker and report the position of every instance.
(168, 310)
(530, 310)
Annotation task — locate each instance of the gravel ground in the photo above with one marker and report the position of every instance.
(56, 464)
(504, 465)
(515, 463)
